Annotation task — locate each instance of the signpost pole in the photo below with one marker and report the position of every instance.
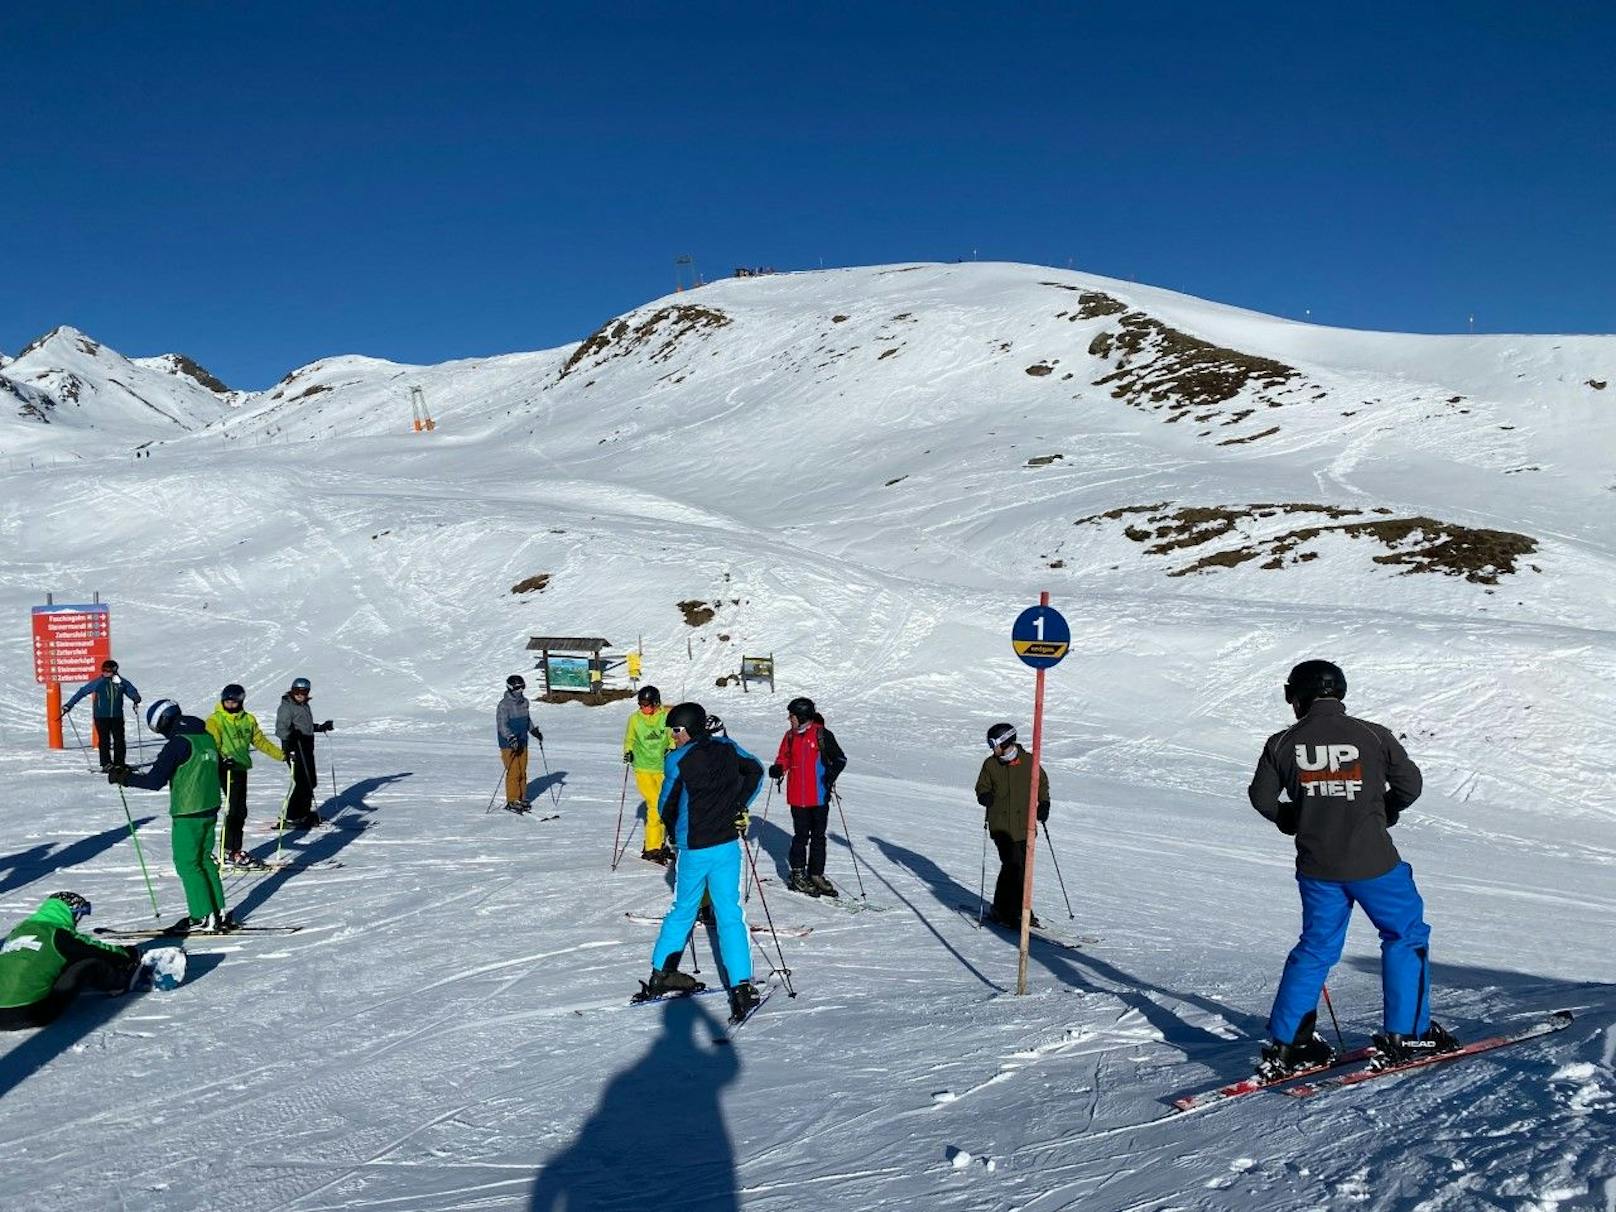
(1032, 822)
(53, 714)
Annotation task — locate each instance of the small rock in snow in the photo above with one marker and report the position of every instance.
(959, 1157)
(943, 1096)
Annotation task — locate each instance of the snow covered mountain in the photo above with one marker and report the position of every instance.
(70, 395)
(866, 473)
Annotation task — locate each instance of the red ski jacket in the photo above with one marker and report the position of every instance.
(811, 760)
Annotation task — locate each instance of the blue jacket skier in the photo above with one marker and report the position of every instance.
(708, 783)
(1337, 784)
(110, 690)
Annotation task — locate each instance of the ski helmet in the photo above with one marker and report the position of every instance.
(162, 715)
(691, 717)
(78, 904)
(109, 666)
(1001, 735)
(715, 726)
(801, 709)
(300, 684)
(649, 696)
(233, 691)
(1315, 680)
(516, 682)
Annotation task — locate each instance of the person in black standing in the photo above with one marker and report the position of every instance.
(110, 690)
(295, 726)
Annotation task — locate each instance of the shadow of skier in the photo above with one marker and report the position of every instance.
(539, 788)
(677, 1084)
(88, 1013)
(37, 862)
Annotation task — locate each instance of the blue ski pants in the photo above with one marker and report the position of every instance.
(1394, 906)
(715, 871)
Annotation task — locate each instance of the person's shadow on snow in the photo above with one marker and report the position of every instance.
(658, 1131)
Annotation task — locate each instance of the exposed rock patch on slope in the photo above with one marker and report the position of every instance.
(1239, 534)
(659, 334)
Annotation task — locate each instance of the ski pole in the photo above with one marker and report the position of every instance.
(140, 737)
(1330, 1006)
(1058, 876)
(150, 891)
(982, 888)
(767, 799)
(83, 748)
(622, 802)
(848, 834)
(783, 970)
(228, 791)
(555, 796)
(494, 796)
(695, 964)
(280, 826)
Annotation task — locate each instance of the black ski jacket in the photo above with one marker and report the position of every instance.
(706, 783)
(1346, 780)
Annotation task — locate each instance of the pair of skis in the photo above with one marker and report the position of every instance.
(1353, 1068)
(644, 998)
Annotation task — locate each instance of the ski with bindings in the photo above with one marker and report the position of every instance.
(972, 912)
(1252, 1084)
(1558, 1021)
(646, 998)
(114, 933)
(735, 1024)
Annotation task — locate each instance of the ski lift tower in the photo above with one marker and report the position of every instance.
(422, 419)
(684, 266)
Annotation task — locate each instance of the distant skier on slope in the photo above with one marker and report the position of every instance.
(646, 745)
(188, 766)
(809, 762)
(1344, 781)
(709, 783)
(236, 732)
(1003, 788)
(513, 725)
(45, 963)
(110, 690)
(295, 727)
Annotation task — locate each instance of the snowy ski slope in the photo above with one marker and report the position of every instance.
(858, 469)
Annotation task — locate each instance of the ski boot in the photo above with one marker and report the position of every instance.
(799, 882)
(825, 887)
(515, 806)
(743, 999)
(667, 982)
(242, 861)
(1307, 1050)
(1392, 1049)
(658, 856)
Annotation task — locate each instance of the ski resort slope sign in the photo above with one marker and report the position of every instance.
(1041, 636)
(70, 642)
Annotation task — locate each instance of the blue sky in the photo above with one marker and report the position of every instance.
(261, 184)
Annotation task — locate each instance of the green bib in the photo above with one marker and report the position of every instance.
(195, 786)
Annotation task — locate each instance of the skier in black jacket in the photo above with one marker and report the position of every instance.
(1344, 782)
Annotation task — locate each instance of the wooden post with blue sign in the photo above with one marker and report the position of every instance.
(1041, 639)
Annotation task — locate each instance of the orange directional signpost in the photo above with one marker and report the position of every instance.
(70, 642)
(1041, 639)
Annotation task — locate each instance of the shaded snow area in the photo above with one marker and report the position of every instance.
(867, 473)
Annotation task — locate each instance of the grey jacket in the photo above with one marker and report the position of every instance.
(512, 721)
(293, 717)
(1345, 781)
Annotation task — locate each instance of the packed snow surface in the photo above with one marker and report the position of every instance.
(866, 473)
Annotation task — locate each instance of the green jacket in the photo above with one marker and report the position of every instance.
(34, 954)
(237, 733)
(1008, 784)
(648, 739)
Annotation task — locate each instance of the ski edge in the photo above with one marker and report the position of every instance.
(1250, 1085)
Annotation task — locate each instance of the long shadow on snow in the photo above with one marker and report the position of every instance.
(310, 848)
(37, 862)
(1525, 991)
(1076, 968)
(538, 788)
(679, 1080)
(88, 1013)
(922, 866)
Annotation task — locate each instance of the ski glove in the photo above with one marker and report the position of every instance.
(1043, 811)
(536, 735)
(777, 772)
(628, 756)
(229, 763)
(985, 798)
(325, 727)
(743, 822)
(118, 776)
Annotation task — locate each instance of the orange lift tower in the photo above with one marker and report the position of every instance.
(422, 418)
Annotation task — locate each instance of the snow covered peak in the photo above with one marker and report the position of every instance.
(180, 365)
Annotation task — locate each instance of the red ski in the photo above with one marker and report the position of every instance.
(1252, 1084)
(1558, 1021)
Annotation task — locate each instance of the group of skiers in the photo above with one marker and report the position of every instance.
(1335, 783)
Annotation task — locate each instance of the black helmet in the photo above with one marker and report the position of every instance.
(78, 904)
(162, 715)
(300, 684)
(692, 717)
(715, 726)
(801, 709)
(233, 691)
(516, 682)
(649, 696)
(1315, 680)
(1000, 735)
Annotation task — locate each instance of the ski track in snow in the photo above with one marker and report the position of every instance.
(451, 1030)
